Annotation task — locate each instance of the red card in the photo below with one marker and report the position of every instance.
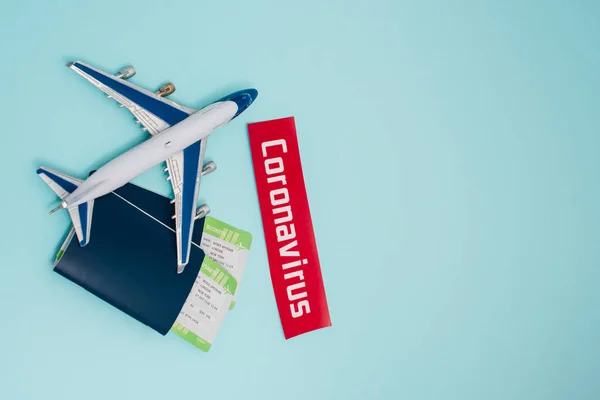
(287, 224)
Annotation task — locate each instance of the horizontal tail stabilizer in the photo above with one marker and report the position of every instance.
(60, 183)
(81, 215)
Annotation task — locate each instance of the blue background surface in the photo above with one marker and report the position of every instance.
(450, 152)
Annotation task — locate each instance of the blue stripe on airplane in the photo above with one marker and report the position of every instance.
(82, 209)
(191, 160)
(164, 111)
(63, 183)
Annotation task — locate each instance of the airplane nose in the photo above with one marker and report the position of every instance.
(243, 99)
(253, 93)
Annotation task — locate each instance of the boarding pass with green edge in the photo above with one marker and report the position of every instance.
(213, 293)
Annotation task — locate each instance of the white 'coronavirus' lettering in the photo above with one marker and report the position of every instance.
(285, 229)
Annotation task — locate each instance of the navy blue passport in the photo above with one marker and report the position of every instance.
(131, 259)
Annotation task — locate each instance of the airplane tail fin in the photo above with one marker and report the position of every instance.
(81, 215)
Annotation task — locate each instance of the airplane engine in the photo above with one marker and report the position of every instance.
(202, 212)
(208, 168)
(126, 72)
(166, 89)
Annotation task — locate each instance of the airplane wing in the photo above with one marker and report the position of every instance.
(185, 178)
(156, 114)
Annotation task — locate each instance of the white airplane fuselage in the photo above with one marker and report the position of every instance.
(125, 167)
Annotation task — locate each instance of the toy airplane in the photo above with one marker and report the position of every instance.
(178, 137)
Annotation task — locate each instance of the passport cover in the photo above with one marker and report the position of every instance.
(131, 259)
